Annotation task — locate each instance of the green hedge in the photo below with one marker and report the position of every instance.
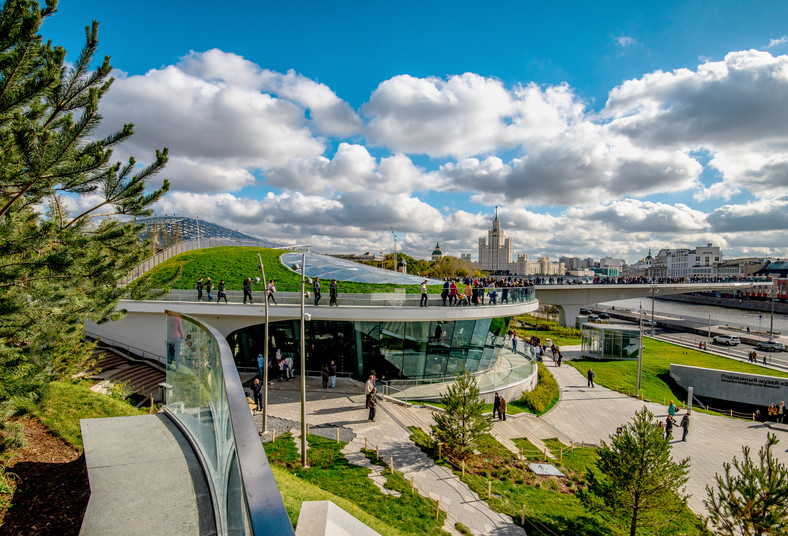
(544, 395)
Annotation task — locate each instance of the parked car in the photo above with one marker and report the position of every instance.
(584, 311)
(604, 316)
(771, 346)
(727, 339)
(649, 322)
(593, 318)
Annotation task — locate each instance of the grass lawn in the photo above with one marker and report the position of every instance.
(330, 471)
(295, 490)
(656, 383)
(234, 264)
(551, 507)
(559, 334)
(65, 403)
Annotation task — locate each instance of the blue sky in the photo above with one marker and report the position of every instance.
(599, 129)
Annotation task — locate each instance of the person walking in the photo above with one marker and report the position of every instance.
(260, 363)
(514, 343)
(560, 357)
(445, 292)
(372, 404)
(502, 410)
(248, 290)
(332, 294)
(669, 427)
(290, 371)
(423, 302)
(590, 378)
(271, 290)
(220, 292)
(332, 375)
(370, 388)
(316, 289)
(452, 293)
(496, 406)
(685, 425)
(199, 287)
(257, 392)
(781, 411)
(671, 408)
(324, 376)
(209, 288)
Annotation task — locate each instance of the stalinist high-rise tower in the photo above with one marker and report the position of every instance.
(495, 251)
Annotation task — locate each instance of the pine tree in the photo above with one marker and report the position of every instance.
(755, 499)
(59, 269)
(462, 424)
(639, 483)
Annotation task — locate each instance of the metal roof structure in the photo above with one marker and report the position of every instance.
(328, 268)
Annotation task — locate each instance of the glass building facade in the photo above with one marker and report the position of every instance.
(394, 349)
(610, 341)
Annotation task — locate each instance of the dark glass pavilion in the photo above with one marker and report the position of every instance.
(394, 349)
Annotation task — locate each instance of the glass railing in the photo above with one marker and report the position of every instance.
(511, 296)
(206, 399)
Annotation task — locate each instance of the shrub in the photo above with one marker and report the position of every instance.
(544, 395)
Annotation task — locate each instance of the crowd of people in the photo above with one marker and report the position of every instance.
(471, 291)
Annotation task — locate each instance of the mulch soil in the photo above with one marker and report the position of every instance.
(52, 489)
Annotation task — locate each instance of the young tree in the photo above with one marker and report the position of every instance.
(461, 426)
(755, 499)
(639, 483)
(58, 269)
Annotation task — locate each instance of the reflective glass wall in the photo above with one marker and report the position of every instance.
(406, 350)
(206, 399)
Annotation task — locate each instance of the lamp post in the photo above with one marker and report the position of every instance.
(653, 291)
(771, 319)
(303, 365)
(640, 353)
(265, 351)
(396, 268)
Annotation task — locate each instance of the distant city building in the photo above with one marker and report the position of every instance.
(641, 268)
(699, 262)
(743, 267)
(437, 254)
(466, 257)
(495, 251)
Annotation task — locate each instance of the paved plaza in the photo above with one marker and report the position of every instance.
(583, 414)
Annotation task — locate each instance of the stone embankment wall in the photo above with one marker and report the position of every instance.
(731, 303)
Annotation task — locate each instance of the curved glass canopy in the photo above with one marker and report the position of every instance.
(328, 268)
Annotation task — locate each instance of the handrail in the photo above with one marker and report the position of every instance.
(137, 353)
(207, 401)
(399, 299)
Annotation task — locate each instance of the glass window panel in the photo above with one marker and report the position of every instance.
(463, 331)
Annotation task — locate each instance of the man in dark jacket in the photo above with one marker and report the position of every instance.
(248, 290)
(590, 378)
(257, 390)
(199, 288)
(496, 406)
(332, 293)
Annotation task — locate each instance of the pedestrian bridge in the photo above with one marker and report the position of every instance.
(571, 298)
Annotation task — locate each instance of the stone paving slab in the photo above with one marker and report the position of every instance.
(344, 406)
(593, 414)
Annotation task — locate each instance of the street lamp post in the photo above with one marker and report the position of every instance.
(653, 291)
(640, 354)
(303, 365)
(771, 319)
(265, 351)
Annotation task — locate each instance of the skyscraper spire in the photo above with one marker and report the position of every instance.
(496, 212)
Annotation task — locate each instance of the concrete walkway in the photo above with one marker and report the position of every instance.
(344, 406)
(144, 479)
(592, 414)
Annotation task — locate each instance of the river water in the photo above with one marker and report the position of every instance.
(700, 313)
